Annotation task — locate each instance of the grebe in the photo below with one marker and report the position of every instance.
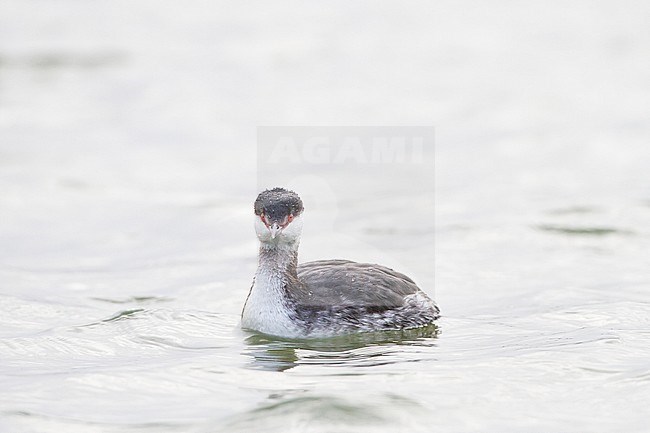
(325, 297)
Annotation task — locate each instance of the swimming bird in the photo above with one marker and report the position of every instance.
(325, 297)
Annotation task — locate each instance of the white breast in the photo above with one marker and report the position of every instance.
(266, 308)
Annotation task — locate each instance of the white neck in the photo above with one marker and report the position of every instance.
(266, 308)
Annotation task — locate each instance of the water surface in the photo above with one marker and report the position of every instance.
(127, 175)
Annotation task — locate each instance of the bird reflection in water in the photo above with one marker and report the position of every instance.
(361, 349)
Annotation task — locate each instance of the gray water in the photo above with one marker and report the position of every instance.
(128, 169)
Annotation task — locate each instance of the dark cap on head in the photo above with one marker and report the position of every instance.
(277, 203)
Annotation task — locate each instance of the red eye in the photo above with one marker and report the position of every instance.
(290, 218)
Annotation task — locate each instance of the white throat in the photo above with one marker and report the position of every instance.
(266, 309)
